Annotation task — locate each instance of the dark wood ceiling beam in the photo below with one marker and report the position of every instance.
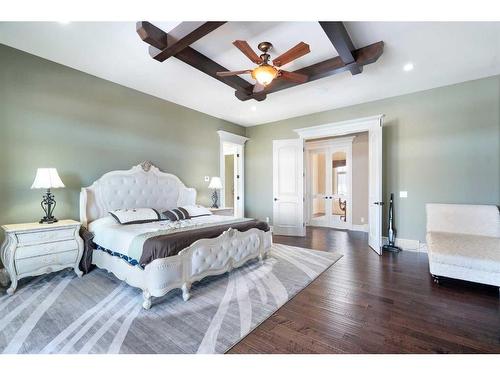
(338, 35)
(158, 41)
(363, 56)
(182, 36)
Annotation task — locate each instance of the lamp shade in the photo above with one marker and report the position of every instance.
(215, 183)
(47, 178)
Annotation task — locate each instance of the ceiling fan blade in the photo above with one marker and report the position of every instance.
(258, 87)
(295, 77)
(244, 47)
(293, 53)
(228, 73)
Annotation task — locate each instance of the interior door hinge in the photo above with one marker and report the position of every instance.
(237, 176)
(237, 155)
(304, 224)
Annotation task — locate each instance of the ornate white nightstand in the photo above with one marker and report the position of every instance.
(33, 249)
(224, 211)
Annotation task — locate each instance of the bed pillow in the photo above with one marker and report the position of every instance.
(135, 215)
(175, 214)
(197, 211)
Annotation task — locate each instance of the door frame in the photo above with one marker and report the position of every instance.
(371, 124)
(239, 141)
(344, 142)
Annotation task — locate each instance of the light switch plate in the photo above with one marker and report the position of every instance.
(207, 178)
(403, 194)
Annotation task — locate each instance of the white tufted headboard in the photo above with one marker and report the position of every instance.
(141, 186)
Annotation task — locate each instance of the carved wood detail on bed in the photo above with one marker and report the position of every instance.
(205, 257)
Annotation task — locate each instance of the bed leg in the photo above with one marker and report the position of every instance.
(261, 258)
(185, 291)
(147, 299)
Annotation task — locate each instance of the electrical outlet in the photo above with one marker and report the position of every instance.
(207, 178)
(403, 194)
(362, 220)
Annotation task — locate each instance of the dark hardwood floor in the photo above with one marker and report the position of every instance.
(367, 303)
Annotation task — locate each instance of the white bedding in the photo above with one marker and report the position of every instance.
(116, 237)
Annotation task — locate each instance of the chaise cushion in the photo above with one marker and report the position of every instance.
(465, 250)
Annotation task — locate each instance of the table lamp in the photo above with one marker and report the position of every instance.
(215, 183)
(47, 178)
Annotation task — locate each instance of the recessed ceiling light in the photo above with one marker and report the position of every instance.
(408, 67)
(253, 108)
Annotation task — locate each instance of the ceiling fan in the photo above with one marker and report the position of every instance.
(265, 73)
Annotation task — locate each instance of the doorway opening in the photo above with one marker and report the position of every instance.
(290, 213)
(232, 148)
(337, 182)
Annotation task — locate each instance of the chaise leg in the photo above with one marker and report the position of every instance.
(185, 291)
(147, 299)
(436, 279)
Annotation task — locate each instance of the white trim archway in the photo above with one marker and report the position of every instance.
(373, 125)
(238, 142)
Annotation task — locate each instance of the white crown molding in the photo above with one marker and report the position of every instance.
(340, 128)
(232, 138)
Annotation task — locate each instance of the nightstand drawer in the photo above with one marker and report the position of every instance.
(45, 236)
(44, 249)
(45, 262)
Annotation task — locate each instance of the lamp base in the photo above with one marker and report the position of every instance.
(48, 220)
(215, 199)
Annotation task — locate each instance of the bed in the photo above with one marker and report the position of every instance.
(161, 256)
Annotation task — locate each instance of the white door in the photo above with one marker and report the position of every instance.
(238, 183)
(375, 190)
(288, 187)
(318, 187)
(340, 180)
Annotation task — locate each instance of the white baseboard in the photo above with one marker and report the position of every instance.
(360, 227)
(409, 245)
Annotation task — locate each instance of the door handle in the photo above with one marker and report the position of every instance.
(275, 199)
(379, 203)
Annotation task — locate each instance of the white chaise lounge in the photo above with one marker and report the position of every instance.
(464, 242)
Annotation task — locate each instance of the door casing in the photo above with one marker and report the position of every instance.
(373, 125)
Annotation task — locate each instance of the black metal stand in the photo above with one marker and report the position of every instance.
(215, 199)
(48, 204)
(391, 246)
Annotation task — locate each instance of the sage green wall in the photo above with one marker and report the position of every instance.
(52, 115)
(441, 145)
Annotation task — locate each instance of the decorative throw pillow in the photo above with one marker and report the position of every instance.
(135, 215)
(197, 211)
(175, 214)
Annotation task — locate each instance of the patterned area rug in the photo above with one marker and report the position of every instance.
(60, 313)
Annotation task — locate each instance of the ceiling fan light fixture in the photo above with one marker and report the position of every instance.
(264, 74)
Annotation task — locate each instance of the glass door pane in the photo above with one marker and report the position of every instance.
(339, 187)
(318, 186)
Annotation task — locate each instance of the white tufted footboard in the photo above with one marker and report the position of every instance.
(205, 257)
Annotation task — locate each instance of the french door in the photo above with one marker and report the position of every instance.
(329, 187)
